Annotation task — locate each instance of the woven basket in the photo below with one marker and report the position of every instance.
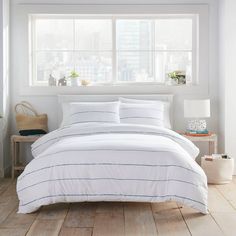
(28, 121)
(218, 171)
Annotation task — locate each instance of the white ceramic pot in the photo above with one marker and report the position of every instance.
(74, 82)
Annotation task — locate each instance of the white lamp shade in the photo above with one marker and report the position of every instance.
(197, 108)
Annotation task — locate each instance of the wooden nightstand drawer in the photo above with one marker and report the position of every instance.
(16, 141)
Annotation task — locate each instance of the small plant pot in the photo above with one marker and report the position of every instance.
(182, 80)
(171, 82)
(75, 82)
(174, 82)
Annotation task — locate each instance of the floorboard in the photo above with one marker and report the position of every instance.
(45, 228)
(226, 221)
(7, 206)
(169, 220)
(19, 221)
(81, 215)
(217, 202)
(109, 223)
(229, 192)
(139, 219)
(76, 232)
(53, 212)
(12, 232)
(120, 219)
(4, 184)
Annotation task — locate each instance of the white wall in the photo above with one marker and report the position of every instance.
(4, 84)
(227, 79)
(45, 103)
(1, 89)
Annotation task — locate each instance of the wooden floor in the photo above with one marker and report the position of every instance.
(108, 219)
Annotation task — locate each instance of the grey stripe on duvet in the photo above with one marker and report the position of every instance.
(141, 109)
(140, 117)
(91, 121)
(105, 164)
(116, 179)
(111, 132)
(82, 112)
(101, 149)
(121, 195)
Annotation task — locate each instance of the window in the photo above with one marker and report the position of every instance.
(113, 49)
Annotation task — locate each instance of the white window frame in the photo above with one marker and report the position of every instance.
(195, 44)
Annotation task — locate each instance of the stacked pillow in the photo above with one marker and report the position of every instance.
(87, 112)
(145, 114)
(157, 104)
(130, 111)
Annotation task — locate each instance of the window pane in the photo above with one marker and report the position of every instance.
(93, 34)
(54, 34)
(135, 66)
(134, 34)
(169, 62)
(57, 64)
(146, 50)
(173, 34)
(95, 67)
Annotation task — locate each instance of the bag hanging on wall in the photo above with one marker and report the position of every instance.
(28, 121)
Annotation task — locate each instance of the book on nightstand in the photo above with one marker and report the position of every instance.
(198, 133)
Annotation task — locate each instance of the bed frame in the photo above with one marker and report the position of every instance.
(113, 97)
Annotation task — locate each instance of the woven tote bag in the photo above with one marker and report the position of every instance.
(28, 121)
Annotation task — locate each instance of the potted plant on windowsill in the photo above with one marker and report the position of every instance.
(178, 77)
(74, 77)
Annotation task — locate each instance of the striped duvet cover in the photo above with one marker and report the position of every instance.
(112, 162)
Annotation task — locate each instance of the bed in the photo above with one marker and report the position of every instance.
(99, 156)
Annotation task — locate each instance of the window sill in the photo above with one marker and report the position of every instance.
(113, 89)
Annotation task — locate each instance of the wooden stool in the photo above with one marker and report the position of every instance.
(16, 140)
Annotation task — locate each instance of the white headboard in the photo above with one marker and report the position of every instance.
(113, 97)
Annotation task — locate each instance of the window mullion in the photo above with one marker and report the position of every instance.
(114, 55)
(33, 51)
(195, 50)
(153, 50)
(74, 45)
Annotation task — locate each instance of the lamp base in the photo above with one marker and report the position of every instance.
(197, 127)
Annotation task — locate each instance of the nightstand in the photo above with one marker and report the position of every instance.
(211, 139)
(16, 140)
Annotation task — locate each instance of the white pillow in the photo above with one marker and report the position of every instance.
(102, 112)
(65, 114)
(146, 114)
(166, 120)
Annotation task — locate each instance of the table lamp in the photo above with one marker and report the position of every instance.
(197, 109)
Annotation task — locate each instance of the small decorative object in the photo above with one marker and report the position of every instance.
(178, 76)
(62, 81)
(197, 109)
(74, 78)
(85, 82)
(52, 81)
